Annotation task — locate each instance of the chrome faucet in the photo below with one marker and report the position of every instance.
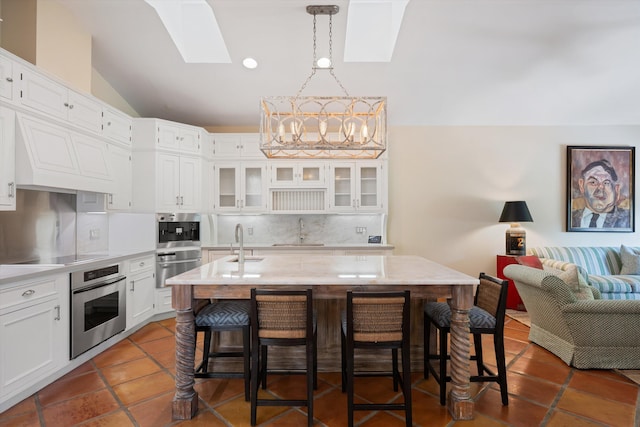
(300, 228)
(240, 239)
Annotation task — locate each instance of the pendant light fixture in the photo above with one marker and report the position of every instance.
(323, 126)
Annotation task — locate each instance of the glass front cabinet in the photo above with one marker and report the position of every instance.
(240, 187)
(356, 187)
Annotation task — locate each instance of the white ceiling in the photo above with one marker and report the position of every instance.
(456, 62)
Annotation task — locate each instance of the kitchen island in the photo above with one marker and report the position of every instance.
(330, 277)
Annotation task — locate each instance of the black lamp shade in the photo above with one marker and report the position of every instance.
(515, 212)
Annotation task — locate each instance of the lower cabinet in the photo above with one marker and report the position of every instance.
(141, 288)
(34, 332)
(163, 300)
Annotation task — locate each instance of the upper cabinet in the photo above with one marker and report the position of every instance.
(240, 187)
(47, 96)
(357, 187)
(120, 198)
(6, 78)
(286, 173)
(116, 125)
(236, 146)
(167, 166)
(7, 159)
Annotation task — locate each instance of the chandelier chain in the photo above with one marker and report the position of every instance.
(314, 65)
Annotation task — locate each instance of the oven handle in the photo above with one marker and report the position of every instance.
(99, 285)
(182, 261)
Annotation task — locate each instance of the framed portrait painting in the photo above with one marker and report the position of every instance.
(600, 188)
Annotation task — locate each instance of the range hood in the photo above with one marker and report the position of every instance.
(53, 156)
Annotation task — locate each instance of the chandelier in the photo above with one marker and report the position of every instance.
(321, 127)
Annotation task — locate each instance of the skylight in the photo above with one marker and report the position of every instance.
(193, 29)
(372, 29)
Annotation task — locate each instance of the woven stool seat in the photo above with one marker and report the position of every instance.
(224, 313)
(440, 313)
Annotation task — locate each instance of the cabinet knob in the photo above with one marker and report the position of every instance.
(142, 264)
(108, 123)
(71, 106)
(12, 189)
(57, 307)
(10, 79)
(133, 286)
(66, 104)
(28, 293)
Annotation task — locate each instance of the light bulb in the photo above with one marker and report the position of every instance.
(323, 62)
(281, 132)
(364, 133)
(323, 127)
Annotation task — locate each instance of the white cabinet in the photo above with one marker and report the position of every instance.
(164, 135)
(6, 78)
(178, 183)
(34, 332)
(357, 186)
(116, 125)
(120, 198)
(141, 289)
(7, 159)
(44, 95)
(236, 145)
(167, 167)
(293, 174)
(163, 300)
(240, 187)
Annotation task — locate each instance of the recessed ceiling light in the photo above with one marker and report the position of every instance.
(324, 63)
(249, 63)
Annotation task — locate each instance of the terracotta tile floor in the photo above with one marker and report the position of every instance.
(131, 384)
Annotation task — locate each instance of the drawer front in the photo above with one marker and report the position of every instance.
(141, 264)
(27, 293)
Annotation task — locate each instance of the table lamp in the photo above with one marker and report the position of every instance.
(515, 213)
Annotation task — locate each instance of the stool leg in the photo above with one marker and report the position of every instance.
(443, 366)
(427, 343)
(205, 351)
(263, 363)
(394, 368)
(406, 384)
(343, 360)
(246, 355)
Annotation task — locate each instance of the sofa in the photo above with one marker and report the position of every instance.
(613, 271)
(586, 332)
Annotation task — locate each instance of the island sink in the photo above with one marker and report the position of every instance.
(298, 244)
(247, 259)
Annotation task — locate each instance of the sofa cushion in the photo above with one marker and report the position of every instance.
(616, 287)
(594, 259)
(630, 260)
(574, 280)
(530, 261)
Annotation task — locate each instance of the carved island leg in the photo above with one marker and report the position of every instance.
(460, 403)
(185, 401)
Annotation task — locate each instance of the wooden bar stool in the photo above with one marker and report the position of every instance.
(225, 315)
(377, 320)
(282, 318)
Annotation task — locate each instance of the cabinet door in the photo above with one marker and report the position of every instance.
(120, 158)
(140, 297)
(253, 188)
(190, 179)
(189, 140)
(226, 146)
(84, 112)
(43, 94)
(6, 78)
(310, 174)
(116, 125)
(369, 187)
(7, 160)
(227, 185)
(168, 136)
(283, 174)
(93, 157)
(342, 187)
(168, 182)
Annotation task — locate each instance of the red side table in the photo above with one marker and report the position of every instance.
(514, 301)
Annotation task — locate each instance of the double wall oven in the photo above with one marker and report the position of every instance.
(178, 245)
(98, 306)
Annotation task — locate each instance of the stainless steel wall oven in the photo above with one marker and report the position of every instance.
(178, 246)
(98, 306)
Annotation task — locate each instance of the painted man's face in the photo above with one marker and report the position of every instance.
(600, 191)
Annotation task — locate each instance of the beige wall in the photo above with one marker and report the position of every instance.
(63, 47)
(447, 187)
(100, 88)
(19, 28)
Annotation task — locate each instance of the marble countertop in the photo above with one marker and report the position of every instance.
(11, 273)
(294, 246)
(323, 270)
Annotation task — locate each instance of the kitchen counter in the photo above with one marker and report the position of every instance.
(11, 273)
(305, 246)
